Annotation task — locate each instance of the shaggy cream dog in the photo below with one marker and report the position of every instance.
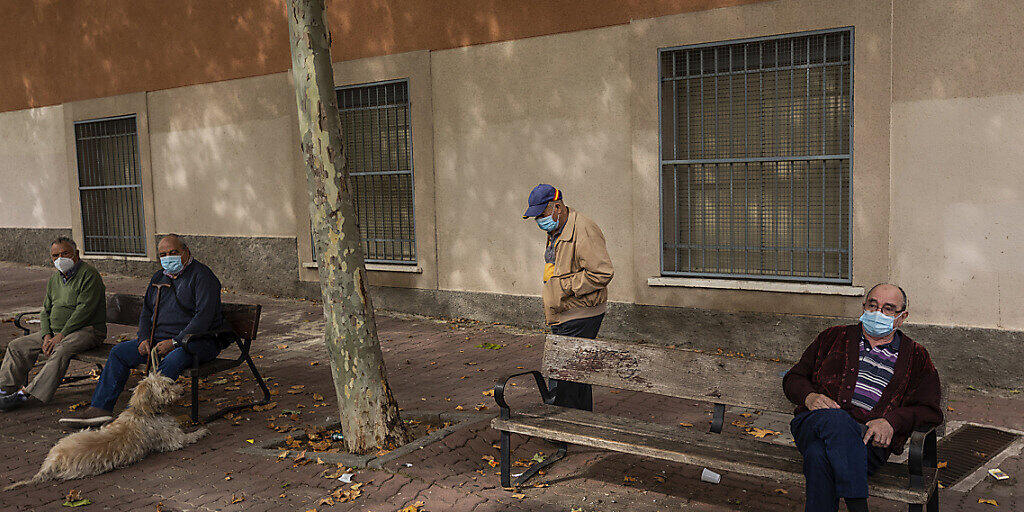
(136, 432)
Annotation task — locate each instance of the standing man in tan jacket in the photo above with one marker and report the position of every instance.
(577, 271)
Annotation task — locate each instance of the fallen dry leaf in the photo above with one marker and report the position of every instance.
(318, 396)
(781, 491)
(282, 346)
(685, 424)
(415, 507)
(266, 407)
(990, 502)
(237, 499)
(761, 432)
(941, 464)
(458, 407)
(480, 407)
(950, 408)
(629, 479)
(489, 392)
(518, 496)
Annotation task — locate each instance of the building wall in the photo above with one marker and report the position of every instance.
(510, 115)
(957, 148)
(937, 197)
(69, 50)
(32, 169)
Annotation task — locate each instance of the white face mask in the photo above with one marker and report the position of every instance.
(63, 264)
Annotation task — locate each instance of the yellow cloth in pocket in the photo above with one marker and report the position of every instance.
(549, 271)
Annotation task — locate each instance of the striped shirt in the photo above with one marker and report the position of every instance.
(876, 368)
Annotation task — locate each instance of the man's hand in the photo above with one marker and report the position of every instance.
(815, 401)
(880, 430)
(144, 347)
(50, 342)
(164, 347)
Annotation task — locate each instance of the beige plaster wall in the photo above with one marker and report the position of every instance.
(224, 157)
(508, 116)
(870, 171)
(957, 148)
(33, 169)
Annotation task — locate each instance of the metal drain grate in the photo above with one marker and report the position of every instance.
(969, 448)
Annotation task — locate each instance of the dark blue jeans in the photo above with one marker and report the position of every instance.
(836, 461)
(125, 356)
(568, 393)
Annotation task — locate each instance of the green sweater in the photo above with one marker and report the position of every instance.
(78, 303)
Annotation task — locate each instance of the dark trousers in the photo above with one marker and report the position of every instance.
(125, 356)
(836, 461)
(568, 393)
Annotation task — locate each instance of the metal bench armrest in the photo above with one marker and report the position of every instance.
(499, 391)
(923, 453)
(17, 320)
(243, 347)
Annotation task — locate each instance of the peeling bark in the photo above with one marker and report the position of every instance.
(368, 411)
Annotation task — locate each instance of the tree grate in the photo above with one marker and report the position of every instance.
(968, 449)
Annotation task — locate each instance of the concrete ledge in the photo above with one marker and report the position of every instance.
(379, 267)
(761, 286)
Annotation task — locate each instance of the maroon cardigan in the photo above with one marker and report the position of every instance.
(830, 365)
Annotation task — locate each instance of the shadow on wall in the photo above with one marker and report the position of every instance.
(68, 50)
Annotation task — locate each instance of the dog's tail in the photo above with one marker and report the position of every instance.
(39, 477)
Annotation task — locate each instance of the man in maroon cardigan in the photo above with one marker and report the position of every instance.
(861, 390)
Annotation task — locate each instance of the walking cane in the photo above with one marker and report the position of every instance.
(152, 328)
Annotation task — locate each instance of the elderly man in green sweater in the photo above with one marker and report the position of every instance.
(73, 320)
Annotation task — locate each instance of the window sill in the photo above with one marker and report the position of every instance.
(380, 267)
(760, 286)
(113, 257)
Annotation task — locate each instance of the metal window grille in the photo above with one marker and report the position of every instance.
(375, 127)
(110, 186)
(755, 158)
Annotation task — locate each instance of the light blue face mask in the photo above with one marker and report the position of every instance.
(548, 223)
(878, 324)
(171, 264)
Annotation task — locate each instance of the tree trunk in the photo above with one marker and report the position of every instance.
(368, 411)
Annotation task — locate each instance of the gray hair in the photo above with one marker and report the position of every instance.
(64, 240)
(906, 301)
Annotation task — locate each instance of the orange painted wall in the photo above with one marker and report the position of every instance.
(55, 51)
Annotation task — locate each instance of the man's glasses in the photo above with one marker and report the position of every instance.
(886, 309)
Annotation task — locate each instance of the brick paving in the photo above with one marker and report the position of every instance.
(433, 365)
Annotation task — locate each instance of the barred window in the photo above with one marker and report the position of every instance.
(755, 158)
(375, 127)
(110, 186)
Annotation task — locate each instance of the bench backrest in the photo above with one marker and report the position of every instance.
(719, 378)
(124, 309)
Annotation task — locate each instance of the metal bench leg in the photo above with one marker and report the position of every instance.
(933, 501)
(718, 420)
(537, 466)
(505, 462)
(195, 389)
(263, 387)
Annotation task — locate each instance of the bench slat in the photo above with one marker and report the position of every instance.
(648, 368)
(690, 446)
(125, 309)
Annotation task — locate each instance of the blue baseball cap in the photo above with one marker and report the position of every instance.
(540, 196)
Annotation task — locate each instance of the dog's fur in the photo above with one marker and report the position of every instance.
(136, 432)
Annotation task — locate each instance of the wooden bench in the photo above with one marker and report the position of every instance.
(719, 379)
(124, 309)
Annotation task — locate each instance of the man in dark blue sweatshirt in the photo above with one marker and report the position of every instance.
(186, 296)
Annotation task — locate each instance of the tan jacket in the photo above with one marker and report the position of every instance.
(578, 288)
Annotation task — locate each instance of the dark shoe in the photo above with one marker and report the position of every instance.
(90, 417)
(9, 390)
(17, 400)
